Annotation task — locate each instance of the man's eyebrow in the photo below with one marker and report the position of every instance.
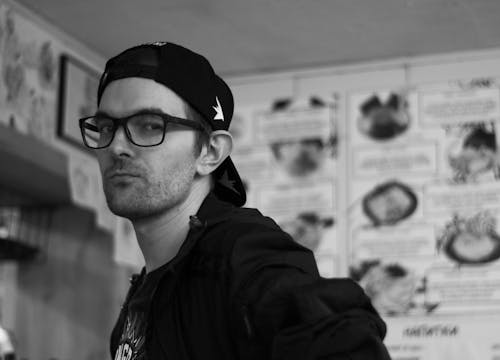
(102, 113)
(154, 110)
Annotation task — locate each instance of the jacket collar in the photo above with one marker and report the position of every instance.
(211, 212)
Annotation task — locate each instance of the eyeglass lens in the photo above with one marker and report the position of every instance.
(141, 129)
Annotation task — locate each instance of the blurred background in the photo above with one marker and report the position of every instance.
(367, 129)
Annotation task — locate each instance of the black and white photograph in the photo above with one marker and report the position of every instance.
(249, 180)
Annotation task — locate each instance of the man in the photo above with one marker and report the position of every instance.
(220, 281)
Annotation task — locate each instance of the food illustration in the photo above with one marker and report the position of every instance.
(389, 203)
(471, 240)
(477, 159)
(307, 229)
(393, 289)
(299, 158)
(384, 120)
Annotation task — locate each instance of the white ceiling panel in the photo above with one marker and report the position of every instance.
(247, 37)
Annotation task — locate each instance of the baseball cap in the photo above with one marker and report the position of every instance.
(190, 76)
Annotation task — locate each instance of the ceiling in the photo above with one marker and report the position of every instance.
(242, 37)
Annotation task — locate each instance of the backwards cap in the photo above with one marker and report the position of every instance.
(190, 76)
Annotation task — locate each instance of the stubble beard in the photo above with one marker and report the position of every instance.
(149, 198)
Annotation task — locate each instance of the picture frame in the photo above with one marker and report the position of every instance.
(78, 85)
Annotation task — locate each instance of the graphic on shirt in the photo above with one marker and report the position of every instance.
(132, 341)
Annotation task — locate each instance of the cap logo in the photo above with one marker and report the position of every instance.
(219, 115)
(156, 43)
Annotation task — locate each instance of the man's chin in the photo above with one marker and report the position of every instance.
(127, 211)
(132, 208)
(122, 205)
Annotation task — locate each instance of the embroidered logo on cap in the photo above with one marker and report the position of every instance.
(219, 115)
(157, 43)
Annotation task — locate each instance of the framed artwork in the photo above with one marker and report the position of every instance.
(77, 98)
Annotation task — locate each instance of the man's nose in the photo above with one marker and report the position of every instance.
(121, 145)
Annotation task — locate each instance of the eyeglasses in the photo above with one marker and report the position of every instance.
(144, 128)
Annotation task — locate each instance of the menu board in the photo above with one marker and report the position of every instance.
(402, 185)
(286, 155)
(423, 210)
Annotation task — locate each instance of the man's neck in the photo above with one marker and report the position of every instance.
(161, 237)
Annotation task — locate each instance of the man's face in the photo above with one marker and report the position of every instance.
(144, 181)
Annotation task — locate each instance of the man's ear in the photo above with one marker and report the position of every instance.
(219, 147)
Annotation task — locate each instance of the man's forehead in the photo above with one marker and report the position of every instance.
(130, 94)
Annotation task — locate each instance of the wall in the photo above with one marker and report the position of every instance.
(441, 307)
(69, 297)
(62, 304)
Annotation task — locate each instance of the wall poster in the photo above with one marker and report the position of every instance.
(286, 156)
(28, 76)
(418, 171)
(423, 222)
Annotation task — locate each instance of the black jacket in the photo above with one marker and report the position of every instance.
(241, 288)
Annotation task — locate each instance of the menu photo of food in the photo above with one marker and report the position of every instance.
(308, 228)
(472, 156)
(393, 287)
(382, 117)
(301, 139)
(389, 202)
(470, 240)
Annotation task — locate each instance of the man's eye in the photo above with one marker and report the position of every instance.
(147, 122)
(152, 125)
(105, 128)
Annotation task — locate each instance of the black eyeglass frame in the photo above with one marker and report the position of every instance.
(122, 121)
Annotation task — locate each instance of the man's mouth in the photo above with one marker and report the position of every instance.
(121, 176)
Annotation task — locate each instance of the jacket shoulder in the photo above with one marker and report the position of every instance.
(246, 242)
(240, 225)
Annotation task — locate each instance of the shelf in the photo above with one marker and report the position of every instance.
(32, 172)
(13, 249)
